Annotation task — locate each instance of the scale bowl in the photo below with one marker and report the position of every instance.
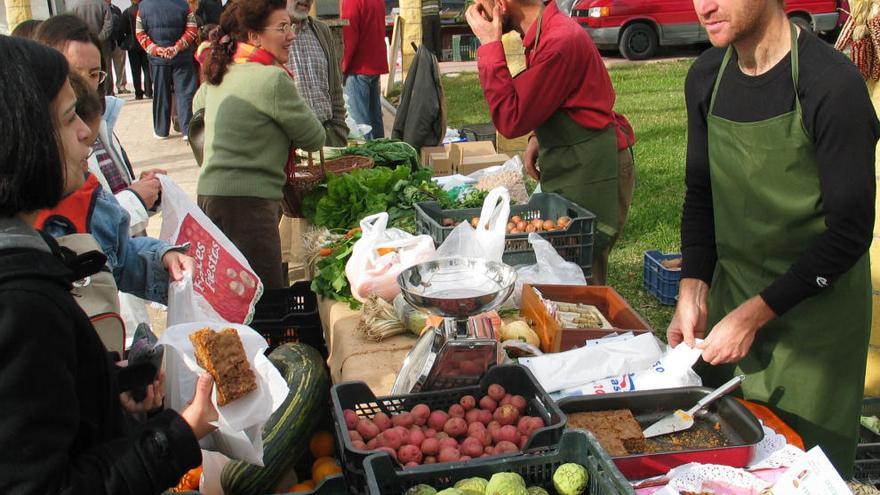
(457, 287)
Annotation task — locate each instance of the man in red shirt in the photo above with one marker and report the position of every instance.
(565, 96)
(364, 60)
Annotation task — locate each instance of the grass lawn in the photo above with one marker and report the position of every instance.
(652, 97)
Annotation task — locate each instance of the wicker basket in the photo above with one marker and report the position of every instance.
(306, 175)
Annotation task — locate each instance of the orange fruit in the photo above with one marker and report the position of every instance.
(322, 444)
(300, 488)
(325, 469)
(310, 483)
(319, 462)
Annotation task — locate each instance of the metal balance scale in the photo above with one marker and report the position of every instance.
(457, 353)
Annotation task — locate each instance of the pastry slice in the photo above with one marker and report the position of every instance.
(222, 355)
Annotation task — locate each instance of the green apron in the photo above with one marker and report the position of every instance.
(580, 165)
(809, 364)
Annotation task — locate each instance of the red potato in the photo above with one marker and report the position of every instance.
(431, 446)
(522, 424)
(456, 411)
(496, 392)
(403, 419)
(508, 433)
(464, 458)
(448, 454)
(529, 424)
(411, 464)
(468, 402)
(389, 450)
(522, 442)
(367, 429)
(485, 417)
(507, 414)
(420, 414)
(485, 455)
(472, 447)
(437, 419)
(494, 427)
(488, 450)
(416, 436)
(484, 437)
(371, 445)
(430, 459)
(520, 403)
(475, 428)
(351, 419)
(472, 416)
(505, 400)
(488, 404)
(441, 435)
(409, 453)
(505, 447)
(359, 444)
(382, 421)
(430, 432)
(389, 438)
(404, 434)
(455, 427)
(354, 435)
(448, 442)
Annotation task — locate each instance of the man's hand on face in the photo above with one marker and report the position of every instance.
(487, 26)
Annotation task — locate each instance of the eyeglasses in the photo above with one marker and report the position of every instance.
(99, 75)
(284, 28)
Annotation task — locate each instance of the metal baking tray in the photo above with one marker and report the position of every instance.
(738, 426)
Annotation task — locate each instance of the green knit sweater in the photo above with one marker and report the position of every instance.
(251, 120)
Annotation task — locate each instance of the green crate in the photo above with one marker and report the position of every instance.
(537, 469)
(574, 244)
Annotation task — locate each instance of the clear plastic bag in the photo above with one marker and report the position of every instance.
(487, 240)
(549, 268)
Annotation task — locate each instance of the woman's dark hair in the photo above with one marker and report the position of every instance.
(31, 163)
(58, 30)
(89, 105)
(26, 29)
(239, 17)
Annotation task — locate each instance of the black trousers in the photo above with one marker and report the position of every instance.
(140, 64)
(431, 35)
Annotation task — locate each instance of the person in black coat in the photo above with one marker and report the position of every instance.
(61, 414)
(137, 57)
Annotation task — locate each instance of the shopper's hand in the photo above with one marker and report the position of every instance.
(170, 52)
(176, 263)
(153, 400)
(530, 159)
(689, 321)
(201, 411)
(486, 26)
(150, 174)
(148, 190)
(730, 340)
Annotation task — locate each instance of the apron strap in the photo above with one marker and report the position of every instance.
(795, 71)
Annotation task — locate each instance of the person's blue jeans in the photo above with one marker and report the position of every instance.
(179, 75)
(364, 104)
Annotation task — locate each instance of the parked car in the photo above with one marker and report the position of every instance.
(638, 27)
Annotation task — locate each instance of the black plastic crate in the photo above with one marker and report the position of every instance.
(358, 397)
(331, 485)
(660, 281)
(290, 315)
(574, 244)
(536, 468)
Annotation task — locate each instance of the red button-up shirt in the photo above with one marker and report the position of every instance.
(564, 71)
(364, 37)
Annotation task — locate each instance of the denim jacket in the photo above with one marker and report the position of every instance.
(136, 262)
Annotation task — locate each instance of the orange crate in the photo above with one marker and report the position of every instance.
(555, 339)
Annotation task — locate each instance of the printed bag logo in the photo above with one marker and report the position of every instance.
(225, 283)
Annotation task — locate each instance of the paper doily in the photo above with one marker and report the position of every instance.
(772, 442)
(692, 478)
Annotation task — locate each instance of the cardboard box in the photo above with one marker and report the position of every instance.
(459, 151)
(441, 164)
(471, 164)
(427, 151)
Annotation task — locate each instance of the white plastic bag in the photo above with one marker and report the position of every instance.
(487, 240)
(223, 278)
(380, 255)
(549, 268)
(240, 423)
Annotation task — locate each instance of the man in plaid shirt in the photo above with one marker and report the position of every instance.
(314, 62)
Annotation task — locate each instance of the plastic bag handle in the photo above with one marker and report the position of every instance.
(494, 205)
(374, 224)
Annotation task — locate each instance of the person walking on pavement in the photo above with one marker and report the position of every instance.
(99, 19)
(312, 61)
(777, 221)
(364, 60)
(137, 57)
(431, 27)
(117, 54)
(580, 147)
(167, 30)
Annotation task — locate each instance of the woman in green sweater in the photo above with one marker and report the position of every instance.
(254, 116)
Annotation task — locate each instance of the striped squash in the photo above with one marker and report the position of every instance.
(286, 435)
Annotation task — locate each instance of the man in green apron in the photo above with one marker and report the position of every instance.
(566, 98)
(777, 221)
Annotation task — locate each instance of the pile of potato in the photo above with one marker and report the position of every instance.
(494, 425)
(516, 224)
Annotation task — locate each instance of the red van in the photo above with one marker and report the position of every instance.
(638, 27)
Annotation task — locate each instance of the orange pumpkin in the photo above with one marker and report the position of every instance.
(322, 444)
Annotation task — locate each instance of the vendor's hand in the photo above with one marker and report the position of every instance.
(485, 30)
(153, 400)
(201, 411)
(689, 321)
(147, 190)
(150, 174)
(176, 263)
(730, 340)
(530, 159)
